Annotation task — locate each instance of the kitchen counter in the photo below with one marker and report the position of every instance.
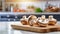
(5, 28)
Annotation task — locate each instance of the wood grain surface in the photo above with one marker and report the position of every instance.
(37, 29)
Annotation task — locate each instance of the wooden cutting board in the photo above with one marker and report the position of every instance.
(37, 29)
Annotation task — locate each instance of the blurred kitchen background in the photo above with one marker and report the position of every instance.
(28, 5)
(12, 10)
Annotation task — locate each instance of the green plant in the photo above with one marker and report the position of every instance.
(38, 10)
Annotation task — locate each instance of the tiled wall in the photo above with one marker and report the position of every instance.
(17, 17)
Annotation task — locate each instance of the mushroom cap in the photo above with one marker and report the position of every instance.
(31, 17)
(51, 16)
(24, 17)
(43, 17)
(45, 21)
(52, 19)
